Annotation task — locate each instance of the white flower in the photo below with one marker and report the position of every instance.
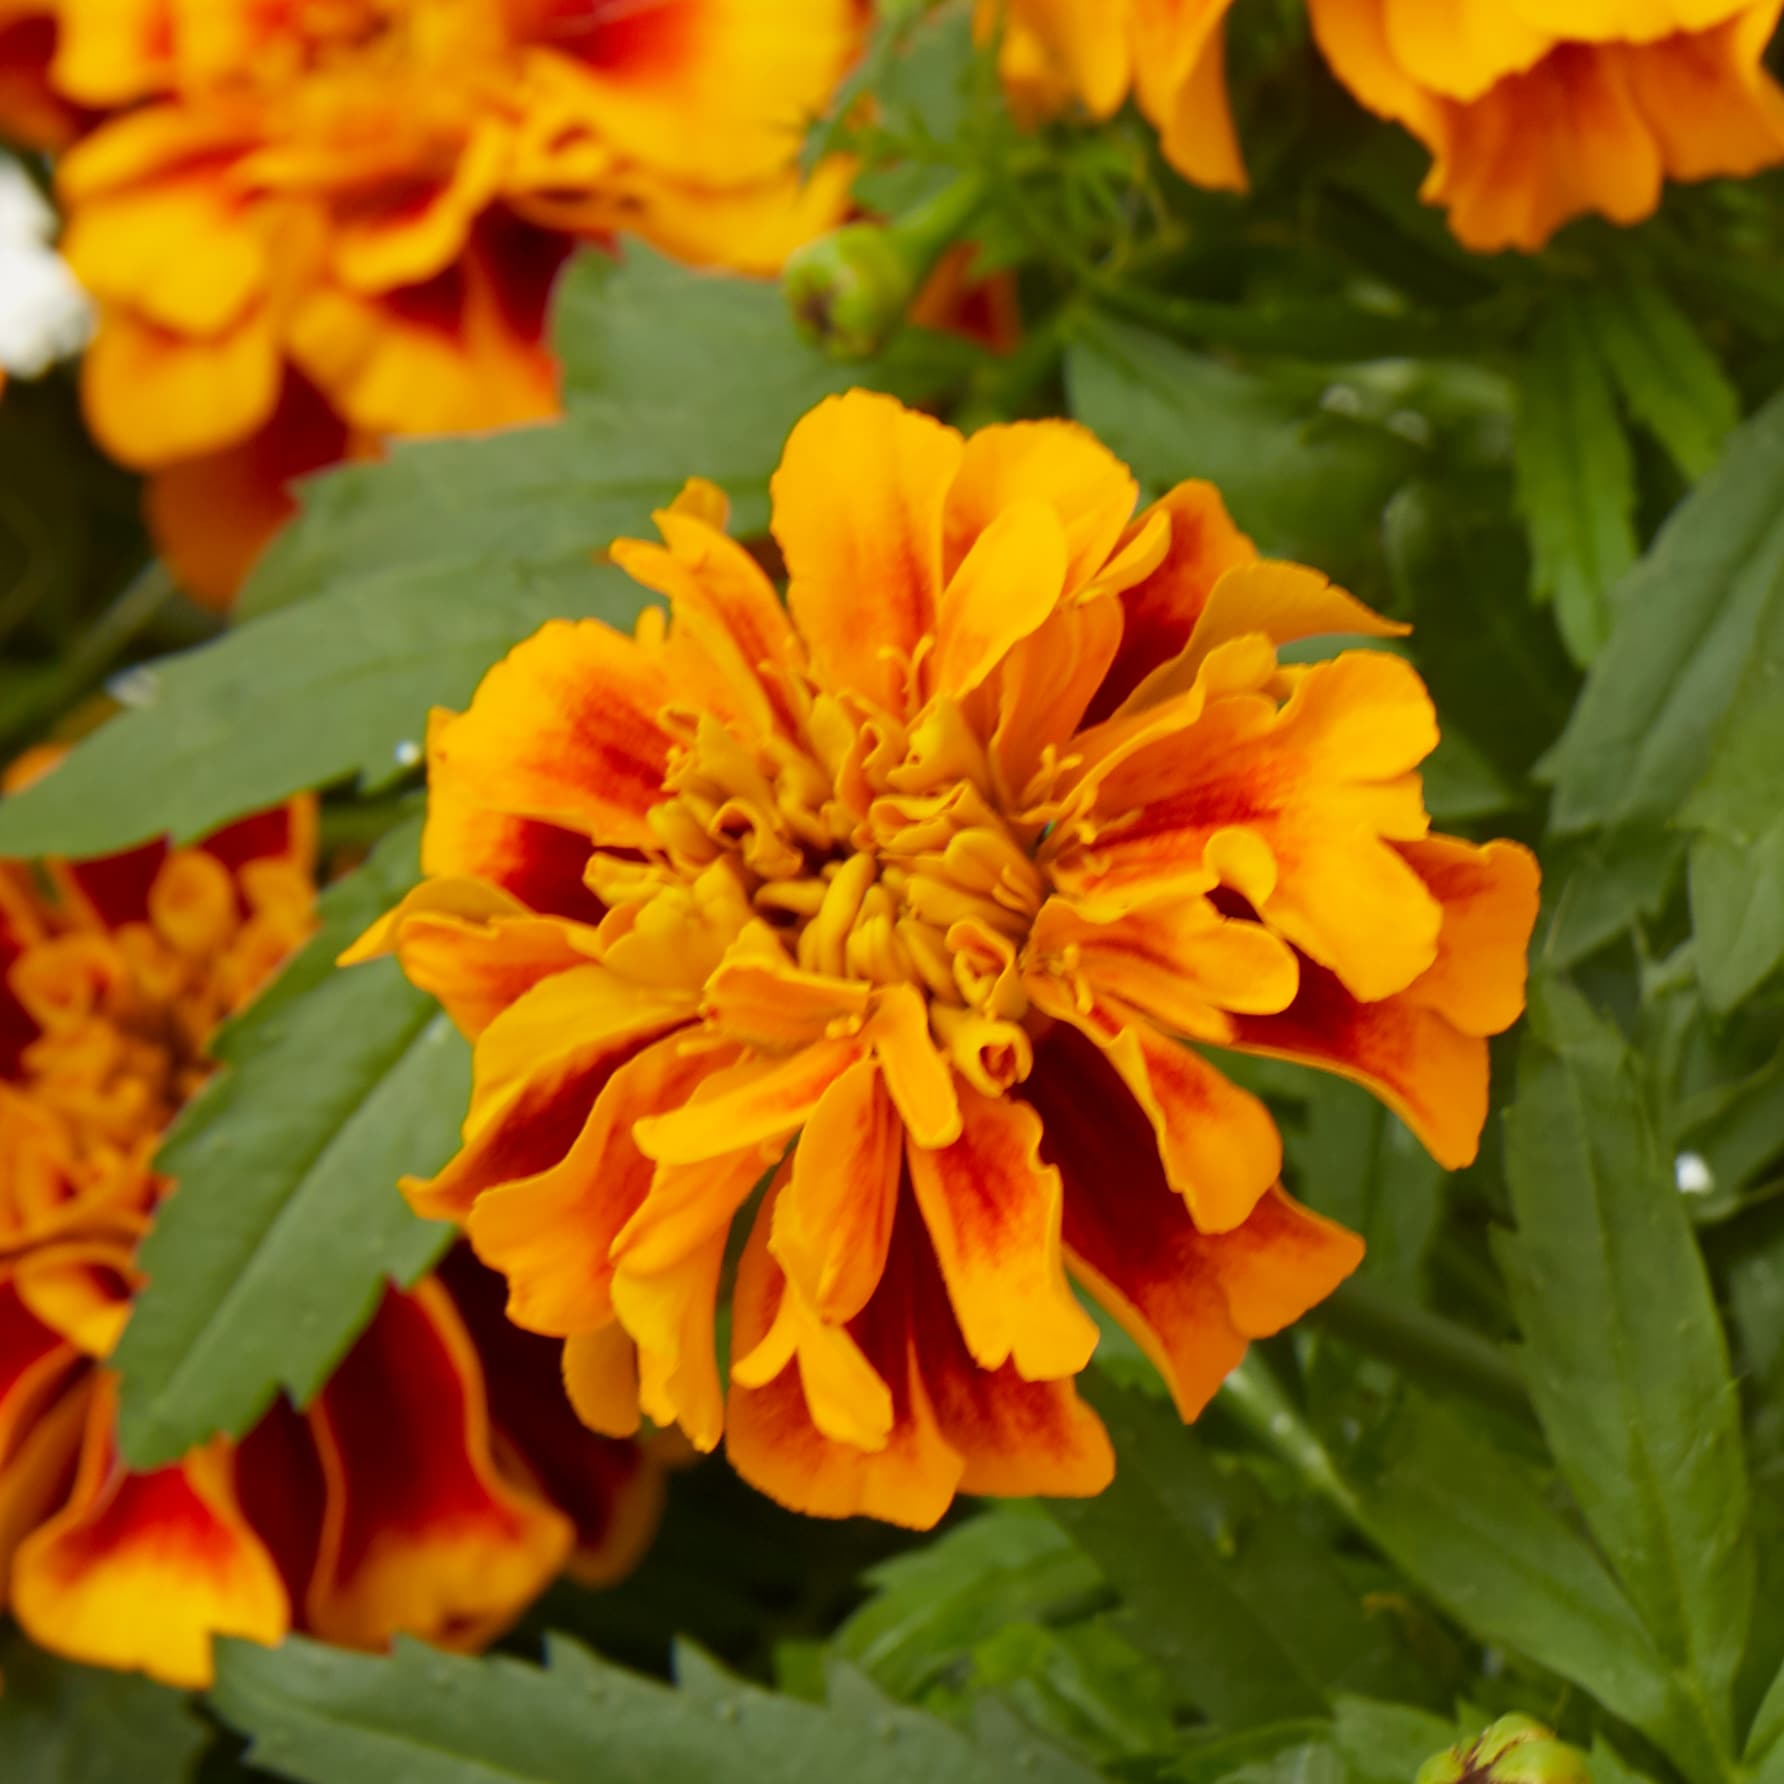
(44, 314)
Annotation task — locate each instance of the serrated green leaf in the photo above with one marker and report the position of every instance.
(932, 1605)
(1576, 479)
(1623, 1353)
(67, 1724)
(669, 373)
(1647, 723)
(1302, 485)
(1737, 809)
(1599, 886)
(287, 1222)
(1476, 1530)
(1671, 381)
(333, 687)
(320, 1716)
(1249, 1619)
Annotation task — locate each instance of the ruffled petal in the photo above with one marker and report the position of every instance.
(897, 467)
(421, 1533)
(1418, 1062)
(551, 1234)
(141, 1571)
(565, 730)
(1489, 897)
(1180, 75)
(833, 1223)
(991, 1207)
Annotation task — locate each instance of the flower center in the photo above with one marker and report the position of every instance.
(877, 851)
(125, 1017)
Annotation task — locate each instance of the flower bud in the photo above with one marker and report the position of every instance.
(1513, 1750)
(850, 289)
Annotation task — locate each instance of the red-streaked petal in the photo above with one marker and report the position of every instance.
(552, 1234)
(1191, 1300)
(141, 1571)
(564, 731)
(611, 1491)
(992, 1207)
(1418, 1062)
(421, 1533)
(833, 1223)
(1489, 897)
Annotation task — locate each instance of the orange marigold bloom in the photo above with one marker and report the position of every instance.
(905, 897)
(399, 1500)
(1539, 111)
(311, 227)
(1170, 54)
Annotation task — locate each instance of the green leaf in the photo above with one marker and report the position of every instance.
(333, 687)
(1389, 1741)
(1576, 479)
(321, 1716)
(287, 1222)
(1646, 726)
(1623, 1353)
(67, 1724)
(1737, 858)
(1598, 886)
(1302, 484)
(932, 1605)
(1737, 912)
(1249, 1619)
(1477, 1531)
(1671, 381)
(669, 373)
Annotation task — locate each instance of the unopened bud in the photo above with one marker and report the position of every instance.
(1514, 1750)
(850, 289)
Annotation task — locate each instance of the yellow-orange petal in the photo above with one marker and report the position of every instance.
(601, 1379)
(991, 1206)
(565, 730)
(142, 1571)
(1005, 588)
(551, 1234)
(420, 1532)
(1418, 1062)
(1180, 78)
(670, 1314)
(833, 1222)
(1489, 897)
(898, 467)
(1460, 48)
(153, 395)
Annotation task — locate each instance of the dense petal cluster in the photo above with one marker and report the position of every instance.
(1539, 111)
(397, 1500)
(882, 918)
(1169, 54)
(315, 224)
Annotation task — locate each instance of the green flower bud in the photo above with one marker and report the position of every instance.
(850, 289)
(1514, 1750)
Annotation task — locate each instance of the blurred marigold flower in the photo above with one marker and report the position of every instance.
(903, 899)
(397, 1501)
(1170, 54)
(310, 227)
(1539, 111)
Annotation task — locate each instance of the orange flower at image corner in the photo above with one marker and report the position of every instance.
(398, 1500)
(1535, 111)
(311, 227)
(905, 897)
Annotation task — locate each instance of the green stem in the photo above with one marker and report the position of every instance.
(94, 655)
(1253, 1396)
(1423, 1346)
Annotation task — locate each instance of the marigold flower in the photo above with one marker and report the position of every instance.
(904, 898)
(1169, 54)
(310, 228)
(399, 1500)
(1538, 112)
